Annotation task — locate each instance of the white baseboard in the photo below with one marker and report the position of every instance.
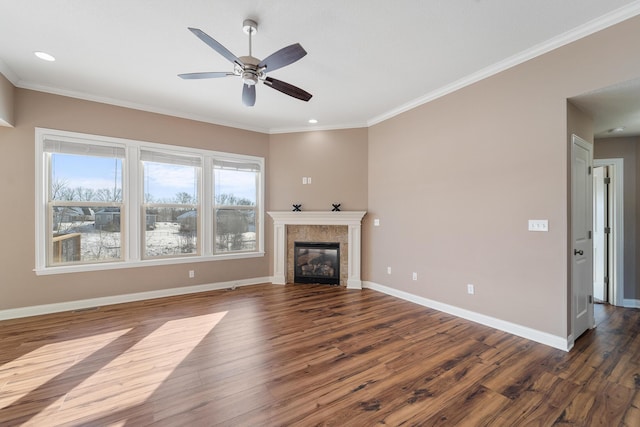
(631, 303)
(512, 328)
(15, 313)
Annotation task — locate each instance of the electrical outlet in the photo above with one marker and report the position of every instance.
(471, 289)
(376, 222)
(192, 274)
(304, 180)
(308, 180)
(415, 276)
(388, 270)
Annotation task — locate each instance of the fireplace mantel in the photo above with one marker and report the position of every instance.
(353, 221)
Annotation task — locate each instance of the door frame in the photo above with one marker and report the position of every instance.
(616, 255)
(602, 240)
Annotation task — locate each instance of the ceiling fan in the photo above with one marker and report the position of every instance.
(251, 69)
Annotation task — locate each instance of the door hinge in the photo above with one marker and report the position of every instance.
(607, 180)
(589, 170)
(590, 299)
(607, 230)
(606, 280)
(589, 234)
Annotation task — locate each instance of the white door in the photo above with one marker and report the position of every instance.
(581, 224)
(600, 223)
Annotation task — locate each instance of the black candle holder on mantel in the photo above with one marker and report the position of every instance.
(297, 208)
(336, 207)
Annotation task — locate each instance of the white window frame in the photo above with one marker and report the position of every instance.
(257, 209)
(166, 156)
(132, 189)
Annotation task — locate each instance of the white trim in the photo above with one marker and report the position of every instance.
(618, 229)
(317, 217)
(593, 26)
(512, 328)
(354, 125)
(631, 303)
(8, 73)
(135, 106)
(15, 313)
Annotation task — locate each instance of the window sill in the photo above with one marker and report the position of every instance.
(80, 268)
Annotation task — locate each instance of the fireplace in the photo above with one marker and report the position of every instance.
(317, 262)
(352, 220)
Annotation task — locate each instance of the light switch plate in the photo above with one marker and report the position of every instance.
(376, 222)
(538, 225)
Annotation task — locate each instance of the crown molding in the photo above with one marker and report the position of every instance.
(591, 27)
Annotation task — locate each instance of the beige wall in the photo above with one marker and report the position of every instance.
(6, 102)
(335, 160)
(627, 149)
(19, 286)
(454, 182)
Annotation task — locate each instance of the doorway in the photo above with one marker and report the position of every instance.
(601, 234)
(608, 226)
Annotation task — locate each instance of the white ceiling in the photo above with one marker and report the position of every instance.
(367, 59)
(615, 109)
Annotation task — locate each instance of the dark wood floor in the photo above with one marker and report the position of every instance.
(308, 355)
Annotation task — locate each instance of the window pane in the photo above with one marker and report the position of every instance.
(90, 231)
(85, 178)
(235, 230)
(170, 183)
(170, 231)
(85, 234)
(235, 187)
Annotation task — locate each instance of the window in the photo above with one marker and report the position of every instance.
(113, 203)
(235, 205)
(84, 202)
(170, 212)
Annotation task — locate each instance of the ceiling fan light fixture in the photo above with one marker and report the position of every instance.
(616, 130)
(249, 78)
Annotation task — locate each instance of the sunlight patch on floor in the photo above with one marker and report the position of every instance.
(67, 353)
(133, 376)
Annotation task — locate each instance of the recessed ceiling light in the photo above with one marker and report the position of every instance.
(45, 56)
(313, 121)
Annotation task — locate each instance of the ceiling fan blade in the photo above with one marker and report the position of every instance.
(288, 89)
(283, 57)
(249, 95)
(205, 75)
(213, 44)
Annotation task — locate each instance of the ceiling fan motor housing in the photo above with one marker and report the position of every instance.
(250, 73)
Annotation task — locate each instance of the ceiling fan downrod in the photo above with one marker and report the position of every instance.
(250, 27)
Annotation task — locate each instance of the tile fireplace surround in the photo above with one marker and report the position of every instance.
(353, 221)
